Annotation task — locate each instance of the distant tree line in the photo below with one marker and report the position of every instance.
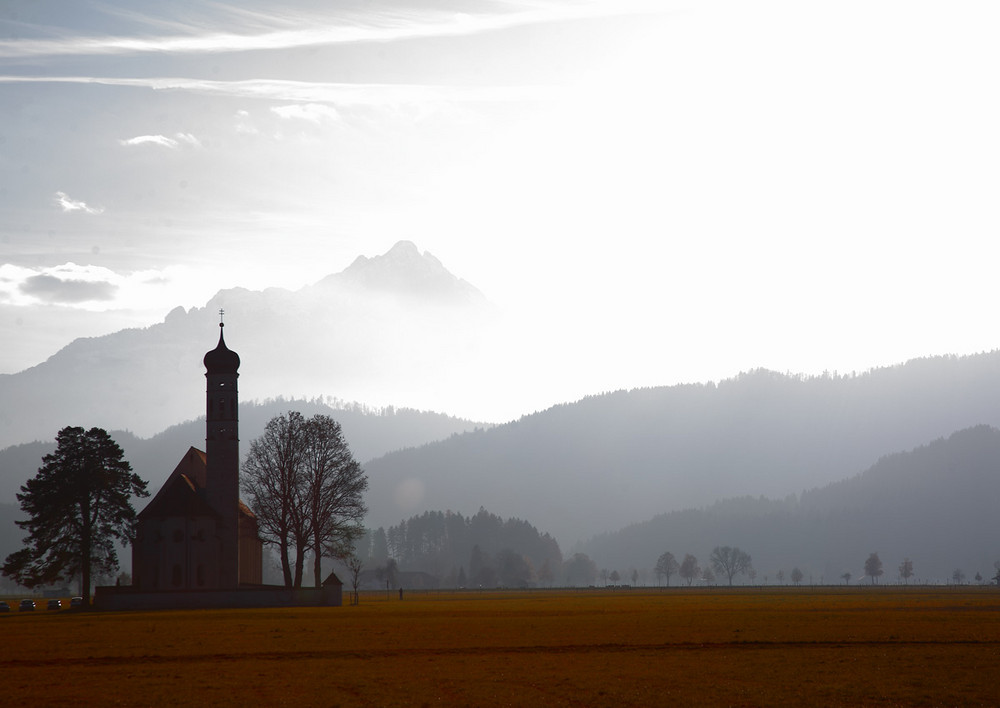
(466, 551)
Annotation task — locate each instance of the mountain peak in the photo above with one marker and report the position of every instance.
(404, 270)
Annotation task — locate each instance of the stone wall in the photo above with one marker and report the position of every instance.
(127, 598)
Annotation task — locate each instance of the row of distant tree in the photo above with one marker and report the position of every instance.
(478, 550)
(729, 562)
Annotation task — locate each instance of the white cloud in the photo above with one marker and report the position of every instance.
(150, 140)
(312, 112)
(391, 95)
(272, 32)
(189, 139)
(162, 140)
(71, 205)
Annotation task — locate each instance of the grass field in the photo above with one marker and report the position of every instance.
(740, 647)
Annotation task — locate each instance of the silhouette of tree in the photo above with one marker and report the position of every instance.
(873, 567)
(306, 490)
(354, 567)
(906, 570)
(666, 565)
(729, 561)
(796, 575)
(689, 568)
(272, 479)
(78, 506)
(958, 576)
(333, 487)
(847, 578)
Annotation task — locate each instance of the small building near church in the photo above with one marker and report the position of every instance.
(197, 544)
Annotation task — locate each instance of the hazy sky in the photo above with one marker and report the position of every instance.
(655, 191)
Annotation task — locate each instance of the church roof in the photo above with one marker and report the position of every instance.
(181, 494)
(222, 360)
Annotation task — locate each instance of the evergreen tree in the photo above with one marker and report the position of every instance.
(78, 506)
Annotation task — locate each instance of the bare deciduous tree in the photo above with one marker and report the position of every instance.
(906, 570)
(689, 568)
(271, 479)
(729, 561)
(355, 566)
(666, 565)
(306, 490)
(334, 485)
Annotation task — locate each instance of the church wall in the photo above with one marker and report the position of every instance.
(176, 553)
(251, 554)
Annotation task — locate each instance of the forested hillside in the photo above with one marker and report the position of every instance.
(481, 550)
(935, 505)
(609, 460)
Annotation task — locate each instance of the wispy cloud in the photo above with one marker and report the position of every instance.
(312, 112)
(274, 31)
(162, 141)
(317, 92)
(71, 205)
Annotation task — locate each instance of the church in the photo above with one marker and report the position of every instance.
(197, 544)
(196, 534)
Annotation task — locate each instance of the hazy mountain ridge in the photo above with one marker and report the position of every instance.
(373, 338)
(601, 463)
(934, 504)
(369, 433)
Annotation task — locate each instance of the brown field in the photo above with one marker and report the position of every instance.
(760, 647)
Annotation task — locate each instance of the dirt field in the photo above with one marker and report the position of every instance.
(849, 647)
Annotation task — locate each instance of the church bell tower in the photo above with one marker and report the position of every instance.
(222, 449)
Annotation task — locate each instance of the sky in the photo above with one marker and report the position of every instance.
(656, 192)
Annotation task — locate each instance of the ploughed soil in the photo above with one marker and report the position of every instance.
(885, 646)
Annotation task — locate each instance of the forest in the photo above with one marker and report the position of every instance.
(481, 550)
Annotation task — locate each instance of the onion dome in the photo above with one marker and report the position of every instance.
(222, 360)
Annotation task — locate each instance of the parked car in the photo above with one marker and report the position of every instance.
(26, 606)
(75, 603)
(54, 605)
(4, 607)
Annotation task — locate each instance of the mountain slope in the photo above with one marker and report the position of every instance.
(389, 330)
(369, 433)
(934, 505)
(608, 460)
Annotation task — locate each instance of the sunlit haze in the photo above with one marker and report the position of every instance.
(647, 192)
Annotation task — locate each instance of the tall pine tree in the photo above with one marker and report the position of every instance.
(78, 506)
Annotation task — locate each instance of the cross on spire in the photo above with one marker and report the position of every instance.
(221, 314)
